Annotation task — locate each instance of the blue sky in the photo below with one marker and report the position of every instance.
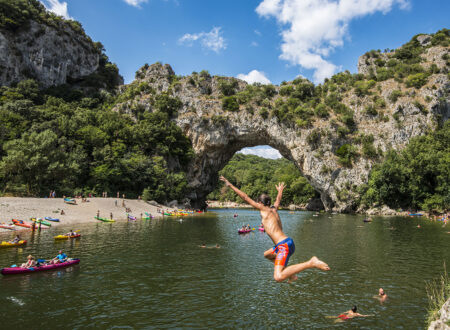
(256, 40)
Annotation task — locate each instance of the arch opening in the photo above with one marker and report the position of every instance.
(256, 169)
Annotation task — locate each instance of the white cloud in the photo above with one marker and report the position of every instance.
(257, 33)
(135, 3)
(254, 44)
(254, 76)
(211, 40)
(262, 151)
(312, 29)
(59, 8)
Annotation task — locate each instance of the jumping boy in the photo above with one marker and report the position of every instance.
(284, 246)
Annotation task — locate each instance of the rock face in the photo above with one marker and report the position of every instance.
(444, 318)
(217, 133)
(49, 55)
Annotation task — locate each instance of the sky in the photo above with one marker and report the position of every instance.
(265, 41)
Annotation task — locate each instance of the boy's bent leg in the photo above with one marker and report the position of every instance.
(281, 273)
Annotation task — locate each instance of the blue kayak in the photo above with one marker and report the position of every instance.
(51, 219)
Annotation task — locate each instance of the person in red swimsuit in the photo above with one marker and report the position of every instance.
(284, 246)
(349, 314)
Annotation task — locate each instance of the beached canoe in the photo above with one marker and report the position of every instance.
(21, 223)
(104, 219)
(7, 244)
(244, 231)
(20, 270)
(42, 222)
(130, 217)
(51, 219)
(61, 237)
(5, 226)
(261, 229)
(70, 201)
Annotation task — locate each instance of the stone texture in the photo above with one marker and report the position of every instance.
(49, 55)
(444, 318)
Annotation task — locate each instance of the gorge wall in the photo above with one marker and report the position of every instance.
(51, 55)
(334, 133)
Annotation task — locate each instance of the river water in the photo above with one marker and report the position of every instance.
(153, 274)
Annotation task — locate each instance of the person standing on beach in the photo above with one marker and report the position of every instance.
(284, 246)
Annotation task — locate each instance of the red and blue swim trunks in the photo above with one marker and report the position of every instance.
(284, 250)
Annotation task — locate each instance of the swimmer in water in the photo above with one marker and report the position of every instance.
(350, 314)
(284, 246)
(382, 296)
(203, 245)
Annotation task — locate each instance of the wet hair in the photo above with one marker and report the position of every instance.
(354, 309)
(265, 199)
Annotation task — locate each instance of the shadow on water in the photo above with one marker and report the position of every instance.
(154, 274)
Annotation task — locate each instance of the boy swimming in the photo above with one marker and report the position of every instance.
(284, 246)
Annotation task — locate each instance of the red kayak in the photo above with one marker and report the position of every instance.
(20, 270)
(261, 229)
(21, 223)
(244, 231)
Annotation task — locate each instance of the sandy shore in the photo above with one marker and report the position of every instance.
(26, 208)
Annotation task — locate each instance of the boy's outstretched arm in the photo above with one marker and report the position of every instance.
(280, 188)
(241, 194)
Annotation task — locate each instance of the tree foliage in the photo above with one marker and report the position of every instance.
(417, 177)
(255, 175)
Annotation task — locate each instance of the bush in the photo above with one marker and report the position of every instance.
(416, 80)
(228, 86)
(313, 138)
(229, 103)
(395, 94)
(346, 153)
(321, 110)
(370, 110)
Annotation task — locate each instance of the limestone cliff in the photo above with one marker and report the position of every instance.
(50, 54)
(334, 132)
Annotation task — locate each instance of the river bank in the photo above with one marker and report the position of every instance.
(82, 212)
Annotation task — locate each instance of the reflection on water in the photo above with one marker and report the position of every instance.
(154, 274)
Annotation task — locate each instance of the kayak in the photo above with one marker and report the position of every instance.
(60, 237)
(43, 222)
(5, 226)
(21, 223)
(21, 270)
(7, 244)
(244, 231)
(367, 220)
(51, 219)
(415, 214)
(261, 229)
(130, 217)
(70, 201)
(104, 219)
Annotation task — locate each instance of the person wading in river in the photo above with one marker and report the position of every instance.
(284, 246)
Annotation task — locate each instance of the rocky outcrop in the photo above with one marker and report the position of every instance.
(443, 323)
(217, 130)
(50, 55)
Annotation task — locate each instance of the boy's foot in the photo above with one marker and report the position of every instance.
(293, 278)
(316, 263)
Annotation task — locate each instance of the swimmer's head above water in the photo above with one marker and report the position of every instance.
(354, 309)
(381, 292)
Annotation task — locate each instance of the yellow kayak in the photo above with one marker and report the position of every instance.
(7, 244)
(66, 237)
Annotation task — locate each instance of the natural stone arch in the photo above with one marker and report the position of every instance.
(217, 133)
(215, 146)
